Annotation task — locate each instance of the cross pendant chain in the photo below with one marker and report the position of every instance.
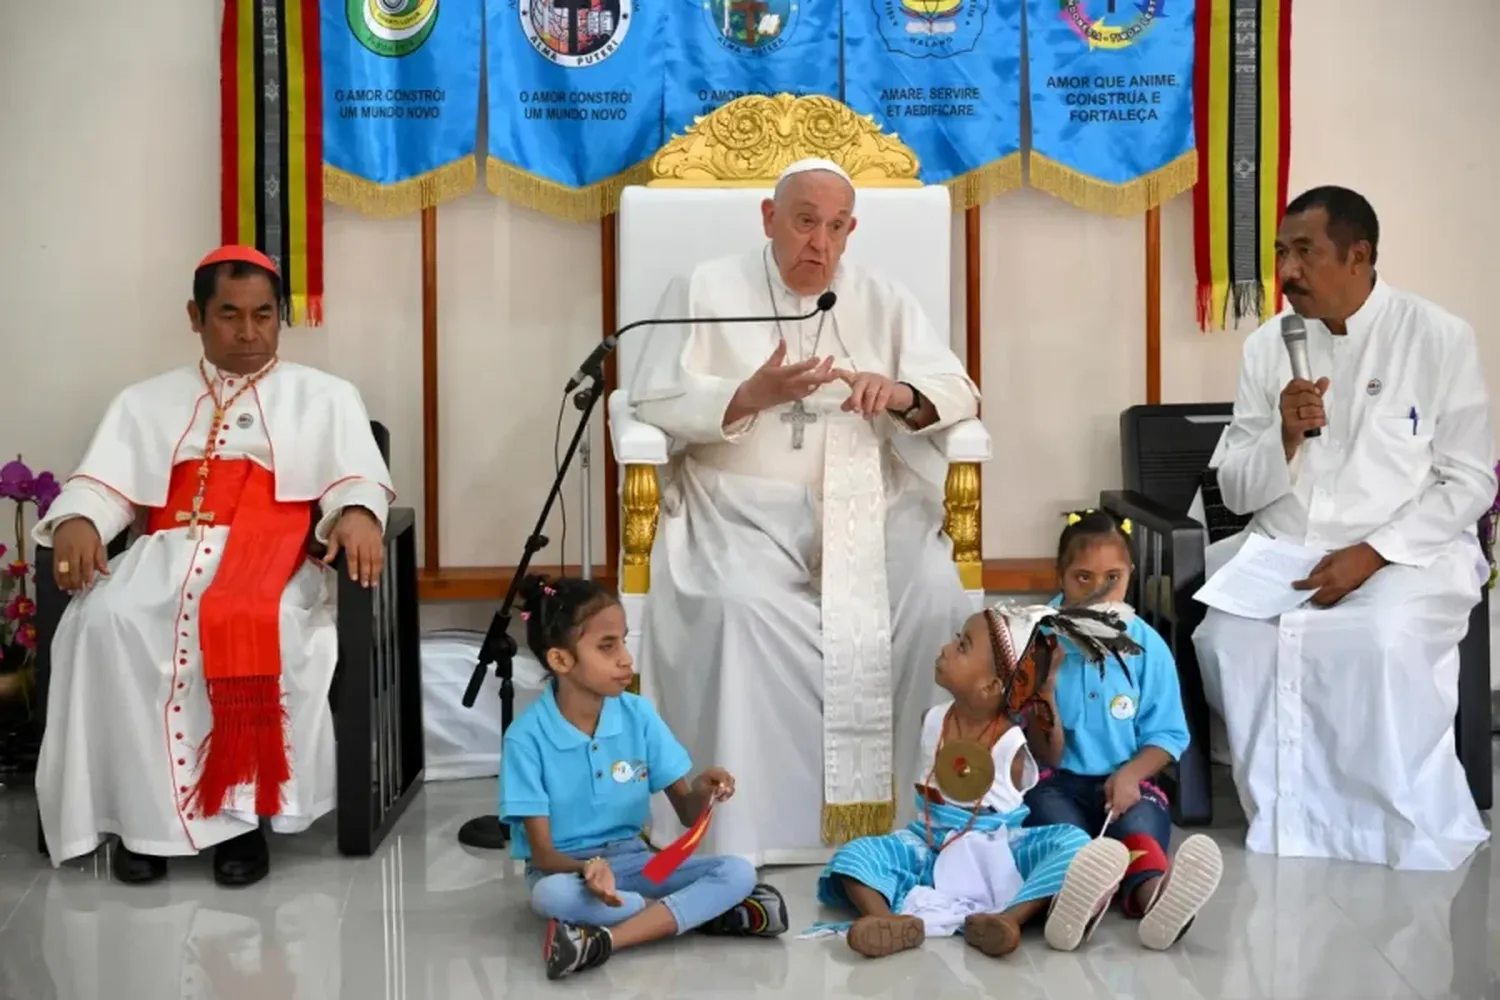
(799, 417)
(199, 515)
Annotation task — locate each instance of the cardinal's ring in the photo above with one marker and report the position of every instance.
(62, 566)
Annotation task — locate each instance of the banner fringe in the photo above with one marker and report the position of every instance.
(586, 204)
(387, 201)
(978, 186)
(1133, 198)
(1217, 301)
(305, 309)
(848, 821)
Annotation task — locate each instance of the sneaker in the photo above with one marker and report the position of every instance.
(571, 948)
(762, 914)
(1093, 877)
(1194, 876)
(877, 937)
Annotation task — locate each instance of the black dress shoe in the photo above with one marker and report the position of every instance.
(243, 861)
(136, 869)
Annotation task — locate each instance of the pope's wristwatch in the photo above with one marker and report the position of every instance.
(910, 414)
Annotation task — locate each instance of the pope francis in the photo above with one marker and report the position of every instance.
(801, 581)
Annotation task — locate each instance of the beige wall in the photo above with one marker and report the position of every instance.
(109, 185)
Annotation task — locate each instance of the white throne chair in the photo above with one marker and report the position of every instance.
(703, 202)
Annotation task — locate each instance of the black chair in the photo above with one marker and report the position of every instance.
(376, 695)
(1165, 452)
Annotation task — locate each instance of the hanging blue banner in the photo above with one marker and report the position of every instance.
(575, 100)
(945, 76)
(718, 50)
(1112, 101)
(400, 102)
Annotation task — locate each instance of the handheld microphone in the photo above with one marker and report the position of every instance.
(591, 367)
(1294, 335)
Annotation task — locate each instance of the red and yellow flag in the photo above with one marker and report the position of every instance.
(671, 857)
(272, 105)
(1243, 123)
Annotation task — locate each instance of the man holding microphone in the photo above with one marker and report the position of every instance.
(1380, 453)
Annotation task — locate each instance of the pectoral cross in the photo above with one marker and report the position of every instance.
(198, 515)
(799, 417)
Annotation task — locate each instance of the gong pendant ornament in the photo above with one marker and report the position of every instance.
(965, 770)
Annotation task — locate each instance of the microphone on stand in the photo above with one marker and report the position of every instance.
(499, 648)
(592, 366)
(1294, 336)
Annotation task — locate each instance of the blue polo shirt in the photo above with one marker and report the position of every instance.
(594, 789)
(1107, 721)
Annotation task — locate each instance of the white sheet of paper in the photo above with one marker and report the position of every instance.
(1257, 582)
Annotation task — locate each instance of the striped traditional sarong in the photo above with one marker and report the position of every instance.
(271, 89)
(1243, 124)
(896, 863)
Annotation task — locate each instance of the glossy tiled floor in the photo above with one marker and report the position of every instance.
(426, 920)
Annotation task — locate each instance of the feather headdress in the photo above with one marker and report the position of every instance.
(1025, 646)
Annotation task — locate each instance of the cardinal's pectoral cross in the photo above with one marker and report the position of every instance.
(799, 417)
(199, 515)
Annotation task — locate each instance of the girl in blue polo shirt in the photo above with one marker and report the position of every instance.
(577, 775)
(1122, 723)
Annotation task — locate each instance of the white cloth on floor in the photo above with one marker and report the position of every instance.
(127, 707)
(1340, 720)
(974, 874)
(801, 584)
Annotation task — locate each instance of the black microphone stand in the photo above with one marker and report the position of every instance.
(499, 646)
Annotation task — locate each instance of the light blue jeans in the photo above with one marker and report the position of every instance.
(699, 890)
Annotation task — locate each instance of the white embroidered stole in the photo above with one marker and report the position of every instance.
(858, 788)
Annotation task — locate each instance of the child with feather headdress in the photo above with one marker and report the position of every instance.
(966, 865)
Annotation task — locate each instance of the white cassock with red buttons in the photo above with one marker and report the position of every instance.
(127, 709)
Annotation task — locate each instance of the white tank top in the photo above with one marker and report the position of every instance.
(1004, 796)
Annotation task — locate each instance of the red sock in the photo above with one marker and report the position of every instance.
(1146, 858)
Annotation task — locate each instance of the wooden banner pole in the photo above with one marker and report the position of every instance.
(431, 554)
(608, 321)
(972, 315)
(1153, 306)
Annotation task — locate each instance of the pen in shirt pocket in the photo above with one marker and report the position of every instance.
(1413, 421)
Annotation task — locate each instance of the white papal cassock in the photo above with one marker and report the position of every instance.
(1340, 720)
(799, 595)
(127, 708)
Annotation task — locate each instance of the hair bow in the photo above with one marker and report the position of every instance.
(1079, 515)
(526, 616)
(549, 591)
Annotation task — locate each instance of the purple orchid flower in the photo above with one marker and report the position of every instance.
(16, 480)
(19, 483)
(44, 490)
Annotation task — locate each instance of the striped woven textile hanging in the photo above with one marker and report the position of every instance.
(271, 88)
(1243, 121)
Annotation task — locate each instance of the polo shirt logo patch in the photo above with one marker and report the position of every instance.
(1122, 707)
(626, 771)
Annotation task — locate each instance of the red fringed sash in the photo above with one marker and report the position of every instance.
(239, 626)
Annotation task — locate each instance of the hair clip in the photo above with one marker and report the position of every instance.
(1078, 515)
(549, 591)
(1125, 525)
(526, 616)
